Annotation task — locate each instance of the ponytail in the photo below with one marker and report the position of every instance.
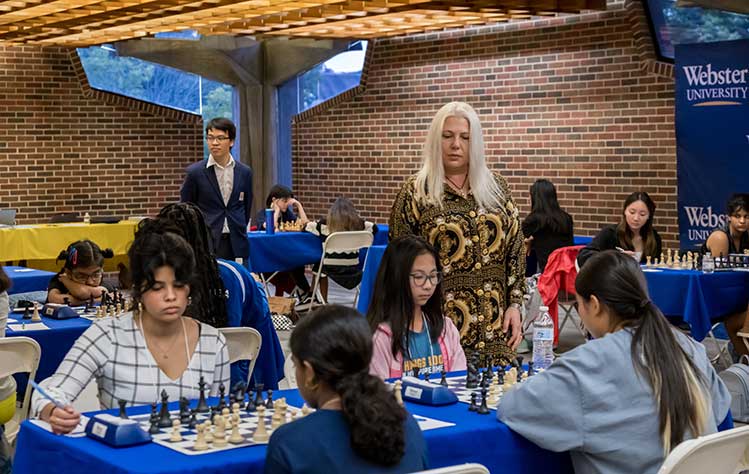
(678, 386)
(84, 253)
(374, 417)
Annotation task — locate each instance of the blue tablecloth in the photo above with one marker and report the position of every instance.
(474, 438)
(369, 274)
(698, 298)
(582, 240)
(25, 279)
(283, 250)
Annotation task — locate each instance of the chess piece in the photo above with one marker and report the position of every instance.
(176, 436)
(235, 407)
(219, 431)
(472, 377)
(154, 420)
(305, 410)
(26, 313)
(443, 380)
(200, 442)
(123, 413)
(415, 372)
(236, 437)
(202, 405)
(494, 395)
(530, 368)
(259, 394)
(474, 405)
(398, 391)
(483, 408)
(648, 261)
(250, 407)
(261, 433)
(184, 410)
(165, 420)
(36, 317)
(275, 420)
(269, 402)
(426, 376)
(221, 393)
(208, 433)
(193, 419)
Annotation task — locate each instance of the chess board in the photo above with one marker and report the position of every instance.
(457, 385)
(247, 424)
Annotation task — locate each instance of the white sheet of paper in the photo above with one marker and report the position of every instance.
(653, 270)
(29, 327)
(79, 430)
(23, 270)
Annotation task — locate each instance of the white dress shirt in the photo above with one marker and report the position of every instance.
(225, 177)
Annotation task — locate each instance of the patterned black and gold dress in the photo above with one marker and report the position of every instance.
(483, 260)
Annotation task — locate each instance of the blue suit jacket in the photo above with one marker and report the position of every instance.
(201, 188)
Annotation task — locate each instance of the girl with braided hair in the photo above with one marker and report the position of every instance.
(358, 426)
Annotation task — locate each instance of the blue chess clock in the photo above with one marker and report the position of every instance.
(427, 393)
(116, 431)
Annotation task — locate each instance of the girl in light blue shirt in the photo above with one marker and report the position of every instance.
(622, 401)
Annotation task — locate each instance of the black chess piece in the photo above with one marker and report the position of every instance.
(202, 405)
(123, 412)
(250, 407)
(193, 419)
(474, 403)
(90, 305)
(239, 390)
(165, 420)
(259, 394)
(154, 420)
(269, 401)
(221, 394)
(26, 313)
(184, 411)
(426, 376)
(443, 380)
(483, 409)
(66, 301)
(530, 368)
(472, 377)
(415, 372)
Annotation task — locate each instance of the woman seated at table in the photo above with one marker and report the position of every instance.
(137, 355)
(358, 426)
(733, 238)
(634, 235)
(8, 383)
(622, 401)
(405, 316)
(281, 200)
(341, 267)
(80, 279)
(547, 227)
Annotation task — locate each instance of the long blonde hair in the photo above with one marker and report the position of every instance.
(430, 178)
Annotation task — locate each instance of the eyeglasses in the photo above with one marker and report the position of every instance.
(420, 279)
(81, 277)
(220, 139)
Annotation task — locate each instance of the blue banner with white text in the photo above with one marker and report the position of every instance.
(712, 134)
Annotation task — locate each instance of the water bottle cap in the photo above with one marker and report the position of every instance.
(543, 309)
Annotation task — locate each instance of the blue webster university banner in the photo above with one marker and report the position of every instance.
(712, 133)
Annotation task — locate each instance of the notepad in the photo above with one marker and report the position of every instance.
(77, 432)
(27, 327)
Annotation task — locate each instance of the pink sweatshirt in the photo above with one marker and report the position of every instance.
(385, 366)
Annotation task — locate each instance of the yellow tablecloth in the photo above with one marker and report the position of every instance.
(45, 241)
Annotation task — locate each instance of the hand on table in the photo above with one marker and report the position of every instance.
(62, 420)
(511, 321)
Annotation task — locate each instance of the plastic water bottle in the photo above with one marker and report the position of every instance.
(708, 264)
(87, 218)
(543, 339)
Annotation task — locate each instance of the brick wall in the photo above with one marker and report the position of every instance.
(65, 147)
(578, 100)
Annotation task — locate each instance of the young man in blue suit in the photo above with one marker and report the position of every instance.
(222, 188)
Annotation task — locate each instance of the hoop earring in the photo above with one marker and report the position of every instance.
(140, 308)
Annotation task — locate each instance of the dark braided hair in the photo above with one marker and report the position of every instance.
(208, 293)
(336, 341)
(84, 253)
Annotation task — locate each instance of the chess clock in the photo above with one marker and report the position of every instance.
(116, 431)
(426, 393)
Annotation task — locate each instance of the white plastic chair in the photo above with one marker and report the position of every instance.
(243, 343)
(472, 468)
(289, 371)
(726, 452)
(349, 241)
(19, 354)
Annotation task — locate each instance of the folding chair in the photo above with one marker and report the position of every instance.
(350, 241)
(243, 343)
(472, 468)
(19, 354)
(726, 452)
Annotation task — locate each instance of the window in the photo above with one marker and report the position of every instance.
(161, 85)
(674, 25)
(308, 89)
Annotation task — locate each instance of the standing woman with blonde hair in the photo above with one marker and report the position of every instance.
(466, 212)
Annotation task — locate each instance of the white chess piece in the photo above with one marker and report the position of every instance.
(35, 317)
(219, 432)
(208, 432)
(176, 436)
(200, 443)
(398, 391)
(305, 410)
(235, 437)
(261, 433)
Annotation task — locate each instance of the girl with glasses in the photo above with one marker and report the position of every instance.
(409, 330)
(80, 279)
